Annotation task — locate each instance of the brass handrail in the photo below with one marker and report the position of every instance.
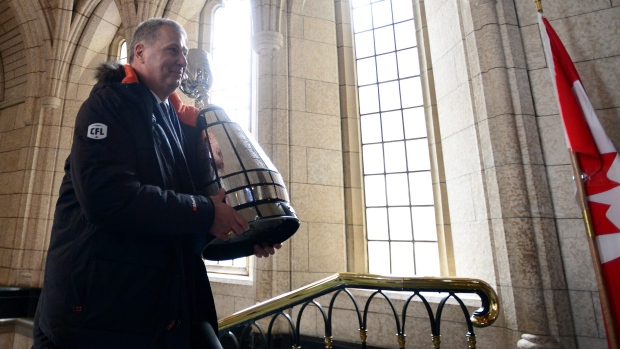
(483, 317)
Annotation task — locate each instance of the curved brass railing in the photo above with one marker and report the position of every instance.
(482, 317)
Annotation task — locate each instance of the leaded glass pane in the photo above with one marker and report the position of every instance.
(382, 13)
(384, 40)
(402, 259)
(377, 228)
(426, 257)
(397, 189)
(408, 63)
(371, 128)
(400, 223)
(421, 188)
(366, 71)
(372, 154)
(386, 67)
(411, 90)
(369, 99)
(405, 35)
(389, 95)
(392, 125)
(415, 123)
(358, 3)
(402, 10)
(395, 158)
(379, 257)
(424, 225)
(374, 190)
(364, 44)
(417, 155)
(362, 19)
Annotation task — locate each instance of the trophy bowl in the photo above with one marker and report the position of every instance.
(253, 185)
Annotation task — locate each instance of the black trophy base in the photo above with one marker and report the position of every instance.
(270, 231)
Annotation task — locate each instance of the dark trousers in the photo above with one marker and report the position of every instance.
(40, 339)
(202, 337)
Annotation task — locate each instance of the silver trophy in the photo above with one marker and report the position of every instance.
(253, 185)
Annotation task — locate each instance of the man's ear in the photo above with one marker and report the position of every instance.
(138, 52)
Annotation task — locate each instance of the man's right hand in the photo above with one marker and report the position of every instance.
(226, 219)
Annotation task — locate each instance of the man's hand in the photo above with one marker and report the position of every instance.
(227, 220)
(265, 250)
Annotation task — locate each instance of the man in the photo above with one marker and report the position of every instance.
(124, 267)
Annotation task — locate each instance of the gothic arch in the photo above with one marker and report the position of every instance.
(184, 10)
(92, 47)
(36, 38)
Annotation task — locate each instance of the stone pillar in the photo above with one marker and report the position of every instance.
(271, 130)
(497, 187)
(34, 215)
(529, 271)
(265, 44)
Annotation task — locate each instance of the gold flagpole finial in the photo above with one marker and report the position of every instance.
(538, 5)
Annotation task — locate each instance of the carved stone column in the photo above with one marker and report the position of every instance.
(499, 197)
(34, 215)
(529, 270)
(266, 40)
(265, 44)
(271, 126)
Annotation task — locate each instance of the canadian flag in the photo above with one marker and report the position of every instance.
(598, 159)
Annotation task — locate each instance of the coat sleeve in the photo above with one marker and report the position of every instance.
(106, 168)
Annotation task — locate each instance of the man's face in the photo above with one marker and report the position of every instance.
(162, 62)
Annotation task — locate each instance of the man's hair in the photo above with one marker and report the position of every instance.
(146, 33)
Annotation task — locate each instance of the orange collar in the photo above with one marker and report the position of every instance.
(130, 75)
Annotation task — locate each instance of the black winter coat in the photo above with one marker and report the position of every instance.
(123, 266)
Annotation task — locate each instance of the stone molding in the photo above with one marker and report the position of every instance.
(267, 41)
(532, 341)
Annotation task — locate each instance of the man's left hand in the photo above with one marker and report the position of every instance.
(265, 250)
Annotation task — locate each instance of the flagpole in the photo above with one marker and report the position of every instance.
(596, 260)
(538, 5)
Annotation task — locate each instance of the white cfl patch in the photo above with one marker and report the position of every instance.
(97, 131)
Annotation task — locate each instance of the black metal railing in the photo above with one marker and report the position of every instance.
(242, 329)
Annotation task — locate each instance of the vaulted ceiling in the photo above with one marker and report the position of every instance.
(56, 34)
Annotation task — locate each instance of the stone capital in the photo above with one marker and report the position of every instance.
(267, 41)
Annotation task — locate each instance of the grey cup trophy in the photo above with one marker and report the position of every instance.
(253, 185)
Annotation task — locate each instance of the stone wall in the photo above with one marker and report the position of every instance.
(502, 169)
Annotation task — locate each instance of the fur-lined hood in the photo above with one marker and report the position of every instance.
(115, 72)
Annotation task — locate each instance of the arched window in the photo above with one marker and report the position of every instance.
(227, 33)
(122, 52)
(231, 53)
(400, 214)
